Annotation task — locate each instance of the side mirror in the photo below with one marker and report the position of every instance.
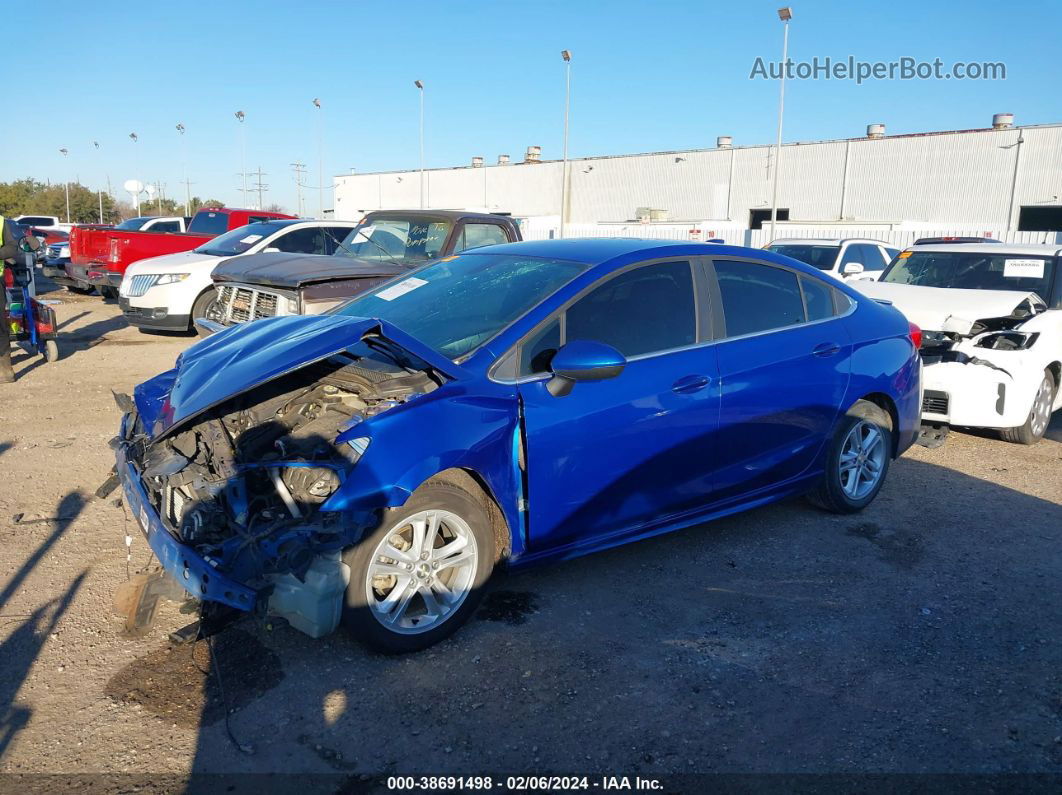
(851, 269)
(583, 360)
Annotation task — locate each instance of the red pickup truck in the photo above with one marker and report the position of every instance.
(99, 256)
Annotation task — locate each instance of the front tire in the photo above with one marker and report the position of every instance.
(1039, 415)
(420, 574)
(857, 460)
(200, 308)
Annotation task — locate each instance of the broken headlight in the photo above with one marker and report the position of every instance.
(1008, 340)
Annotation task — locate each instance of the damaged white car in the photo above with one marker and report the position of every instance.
(991, 319)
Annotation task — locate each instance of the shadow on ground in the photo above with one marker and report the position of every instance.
(917, 636)
(19, 651)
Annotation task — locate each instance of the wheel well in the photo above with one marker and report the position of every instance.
(470, 481)
(884, 402)
(1056, 371)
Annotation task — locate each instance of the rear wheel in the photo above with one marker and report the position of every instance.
(420, 575)
(51, 351)
(201, 308)
(1039, 415)
(857, 460)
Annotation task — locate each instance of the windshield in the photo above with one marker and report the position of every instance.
(461, 302)
(134, 223)
(821, 257)
(396, 239)
(972, 270)
(240, 239)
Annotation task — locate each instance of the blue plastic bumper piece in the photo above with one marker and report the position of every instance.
(191, 570)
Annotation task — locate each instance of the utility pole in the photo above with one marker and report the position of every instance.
(784, 14)
(300, 169)
(260, 187)
(320, 159)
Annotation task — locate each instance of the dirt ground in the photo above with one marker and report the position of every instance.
(919, 636)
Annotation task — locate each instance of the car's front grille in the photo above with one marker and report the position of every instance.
(934, 402)
(140, 284)
(243, 304)
(55, 251)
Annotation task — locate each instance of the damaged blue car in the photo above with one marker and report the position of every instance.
(517, 403)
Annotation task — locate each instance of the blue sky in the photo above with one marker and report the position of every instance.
(646, 76)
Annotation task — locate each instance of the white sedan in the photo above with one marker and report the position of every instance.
(991, 319)
(168, 293)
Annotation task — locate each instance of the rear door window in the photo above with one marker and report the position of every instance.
(757, 297)
(818, 299)
(301, 241)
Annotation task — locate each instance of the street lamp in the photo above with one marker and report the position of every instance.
(320, 161)
(133, 137)
(567, 56)
(784, 14)
(240, 116)
(420, 86)
(99, 191)
(184, 169)
(66, 185)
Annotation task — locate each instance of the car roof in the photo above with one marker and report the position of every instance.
(829, 241)
(598, 250)
(450, 215)
(1040, 249)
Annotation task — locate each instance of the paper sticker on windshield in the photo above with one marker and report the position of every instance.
(1023, 269)
(367, 231)
(400, 289)
(250, 239)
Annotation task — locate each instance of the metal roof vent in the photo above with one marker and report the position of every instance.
(875, 131)
(477, 162)
(533, 154)
(724, 142)
(503, 160)
(1002, 121)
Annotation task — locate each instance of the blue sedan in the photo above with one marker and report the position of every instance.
(513, 404)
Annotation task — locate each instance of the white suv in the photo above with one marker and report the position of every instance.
(991, 319)
(168, 293)
(841, 258)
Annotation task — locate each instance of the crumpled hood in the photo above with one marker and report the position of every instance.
(944, 308)
(279, 269)
(248, 355)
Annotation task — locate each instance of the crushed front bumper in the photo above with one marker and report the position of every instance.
(972, 395)
(192, 571)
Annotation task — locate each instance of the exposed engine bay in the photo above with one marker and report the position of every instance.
(244, 484)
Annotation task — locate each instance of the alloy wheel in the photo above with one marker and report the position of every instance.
(1041, 411)
(421, 572)
(862, 460)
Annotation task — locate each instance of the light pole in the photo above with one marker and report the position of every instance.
(320, 161)
(66, 185)
(420, 86)
(184, 169)
(784, 14)
(240, 116)
(99, 191)
(133, 137)
(567, 56)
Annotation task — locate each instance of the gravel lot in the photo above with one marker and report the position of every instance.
(919, 636)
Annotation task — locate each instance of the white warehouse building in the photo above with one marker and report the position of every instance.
(1003, 178)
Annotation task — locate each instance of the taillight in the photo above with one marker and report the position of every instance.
(916, 335)
(113, 257)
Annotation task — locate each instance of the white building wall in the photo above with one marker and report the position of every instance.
(955, 178)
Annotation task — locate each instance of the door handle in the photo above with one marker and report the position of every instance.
(826, 349)
(690, 383)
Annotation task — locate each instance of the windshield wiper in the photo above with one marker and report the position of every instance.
(361, 232)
